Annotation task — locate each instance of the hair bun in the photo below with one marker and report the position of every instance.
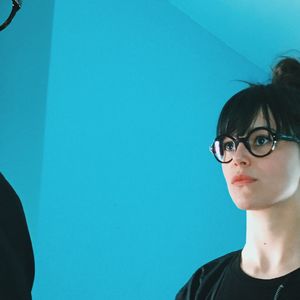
(287, 72)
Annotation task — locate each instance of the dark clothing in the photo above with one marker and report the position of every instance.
(17, 261)
(223, 279)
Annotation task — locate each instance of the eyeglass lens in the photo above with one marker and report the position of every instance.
(260, 143)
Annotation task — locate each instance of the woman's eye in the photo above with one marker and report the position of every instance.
(261, 140)
(228, 146)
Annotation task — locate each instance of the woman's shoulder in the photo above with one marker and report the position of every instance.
(220, 261)
(206, 277)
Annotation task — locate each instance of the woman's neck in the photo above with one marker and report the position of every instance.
(272, 246)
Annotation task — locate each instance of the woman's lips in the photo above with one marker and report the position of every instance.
(242, 179)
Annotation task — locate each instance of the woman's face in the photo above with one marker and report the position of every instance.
(276, 176)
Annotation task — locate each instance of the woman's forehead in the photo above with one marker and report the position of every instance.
(260, 121)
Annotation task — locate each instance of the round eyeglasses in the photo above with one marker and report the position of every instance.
(260, 142)
(5, 21)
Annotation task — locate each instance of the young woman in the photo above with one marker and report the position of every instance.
(258, 145)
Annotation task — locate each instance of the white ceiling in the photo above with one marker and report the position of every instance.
(259, 30)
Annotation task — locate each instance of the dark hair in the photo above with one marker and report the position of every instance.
(278, 100)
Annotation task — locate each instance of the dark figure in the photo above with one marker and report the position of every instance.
(17, 261)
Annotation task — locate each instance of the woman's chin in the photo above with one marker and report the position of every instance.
(248, 204)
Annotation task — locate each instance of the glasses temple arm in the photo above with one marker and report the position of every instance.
(288, 138)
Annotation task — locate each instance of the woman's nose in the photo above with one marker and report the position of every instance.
(241, 155)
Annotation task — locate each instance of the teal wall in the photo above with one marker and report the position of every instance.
(131, 201)
(25, 54)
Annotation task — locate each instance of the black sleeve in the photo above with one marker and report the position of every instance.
(189, 290)
(205, 281)
(16, 253)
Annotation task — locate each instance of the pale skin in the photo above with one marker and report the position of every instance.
(272, 205)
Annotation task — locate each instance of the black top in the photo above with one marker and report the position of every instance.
(17, 262)
(223, 279)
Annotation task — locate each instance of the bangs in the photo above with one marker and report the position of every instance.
(277, 104)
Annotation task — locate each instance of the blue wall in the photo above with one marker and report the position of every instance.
(25, 53)
(131, 200)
